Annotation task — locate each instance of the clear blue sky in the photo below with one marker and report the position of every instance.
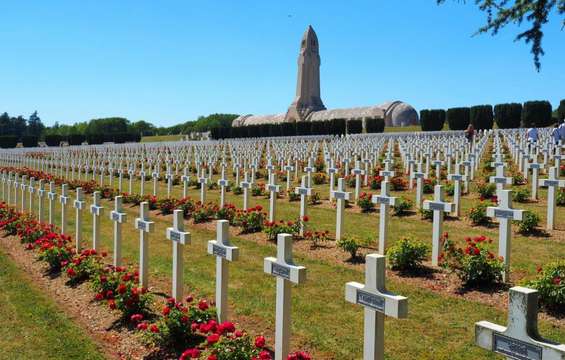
(170, 61)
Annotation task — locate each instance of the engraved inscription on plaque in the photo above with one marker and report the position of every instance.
(281, 271)
(500, 180)
(373, 301)
(175, 236)
(115, 216)
(219, 251)
(436, 206)
(551, 183)
(500, 213)
(516, 349)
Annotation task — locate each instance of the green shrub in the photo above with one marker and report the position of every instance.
(486, 190)
(478, 214)
(536, 112)
(458, 118)
(288, 129)
(508, 116)
(29, 141)
(481, 116)
(401, 206)
(432, 120)
(350, 245)
(426, 214)
(407, 254)
(302, 128)
(76, 139)
(561, 110)
(529, 222)
(550, 283)
(8, 141)
(450, 189)
(521, 195)
(561, 197)
(365, 202)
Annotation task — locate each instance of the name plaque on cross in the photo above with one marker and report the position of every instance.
(281, 271)
(501, 213)
(515, 349)
(551, 183)
(382, 199)
(437, 206)
(141, 225)
(373, 301)
(115, 216)
(218, 251)
(499, 180)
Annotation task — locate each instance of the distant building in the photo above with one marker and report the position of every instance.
(308, 105)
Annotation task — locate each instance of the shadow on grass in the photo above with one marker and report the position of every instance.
(538, 233)
(485, 289)
(419, 272)
(356, 259)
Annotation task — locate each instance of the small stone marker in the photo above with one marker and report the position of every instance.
(203, 181)
(535, 172)
(552, 183)
(179, 237)
(286, 272)
(31, 190)
(456, 178)
(118, 216)
(520, 340)
(145, 226)
(385, 201)
(505, 214)
(224, 252)
(341, 197)
(79, 206)
(378, 303)
(23, 188)
(438, 206)
(96, 210)
(223, 184)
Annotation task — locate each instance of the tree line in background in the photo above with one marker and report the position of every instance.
(510, 115)
(301, 128)
(31, 131)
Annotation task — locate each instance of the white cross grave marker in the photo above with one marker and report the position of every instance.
(179, 237)
(438, 206)
(552, 183)
(79, 206)
(96, 210)
(273, 190)
(63, 199)
(520, 340)
(118, 216)
(303, 191)
(385, 201)
(341, 197)
(286, 272)
(145, 226)
(378, 303)
(224, 252)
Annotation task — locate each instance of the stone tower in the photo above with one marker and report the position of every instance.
(308, 83)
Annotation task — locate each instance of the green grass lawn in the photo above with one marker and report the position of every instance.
(160, 138)
(438, 326)
(32, 325)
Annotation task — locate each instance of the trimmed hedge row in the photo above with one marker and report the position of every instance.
(481, 117)
(302, 128)
(508, 116)
(458, 118)
(536, 112)
(11, 141)
(432, 120)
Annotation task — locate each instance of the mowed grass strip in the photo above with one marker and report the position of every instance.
(438, 327)
(33, 327)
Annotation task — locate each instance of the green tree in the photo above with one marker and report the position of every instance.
(34, 125)
(501, 13)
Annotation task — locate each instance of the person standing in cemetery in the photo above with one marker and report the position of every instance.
(556, 134)
(562, 130)
(470, 133)
(532, 134)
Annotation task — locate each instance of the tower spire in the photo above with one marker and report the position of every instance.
(308, 83)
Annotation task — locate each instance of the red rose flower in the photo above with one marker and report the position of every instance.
(260, 341)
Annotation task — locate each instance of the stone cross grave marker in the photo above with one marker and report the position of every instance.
(41, 200)
(79, 206)
(378, 303)
(64, 199)
(96, 210)
(341, 197)
(499, 179)
(357, 171)
(31, 190)
(304, 191)
(145, 226)
(385, 201)
(552, 183)
(179, 238)
(505, 214)
(246, 186)
(387, 173)
(535, 166)
(456, 178)
(223, 183)
(309, 170)
(438, 206)
(420, 176)
(142, 179)
(224, 252)
(273, 189)
(286, 272)
(203, 181)
(288, 169)
(185, 178)
(23, 188)
(118, 216)
(519, 340)
(51, 195)
(332, 170)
